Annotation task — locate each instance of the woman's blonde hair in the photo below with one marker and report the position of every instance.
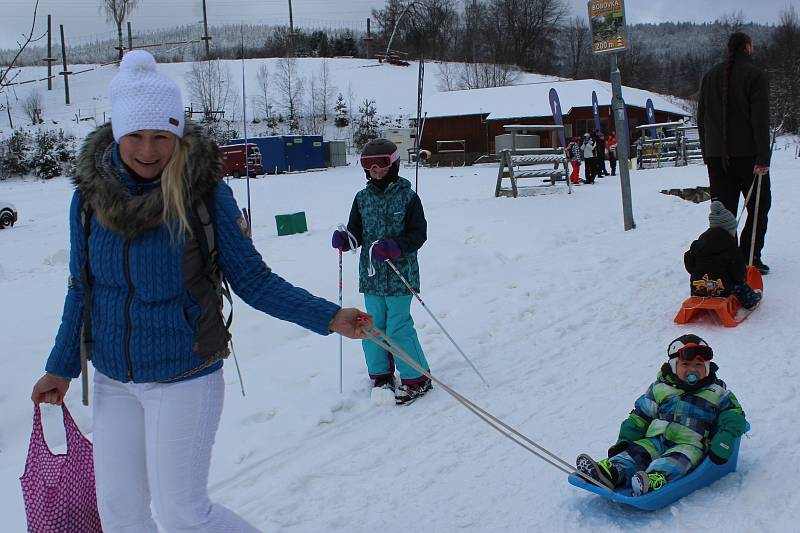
(174, 189)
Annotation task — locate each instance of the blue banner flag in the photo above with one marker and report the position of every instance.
(651, 118)
(596, 111)
(558, 118)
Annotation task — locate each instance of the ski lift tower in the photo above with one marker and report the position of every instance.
(610, 36)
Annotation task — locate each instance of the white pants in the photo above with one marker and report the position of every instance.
(154, 441)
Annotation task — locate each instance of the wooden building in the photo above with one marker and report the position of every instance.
(477, 116)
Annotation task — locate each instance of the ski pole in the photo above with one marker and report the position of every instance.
(341, 372)
(353, 245)
(755, 221)
(411, 289)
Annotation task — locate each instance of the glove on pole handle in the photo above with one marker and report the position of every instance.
(411, 289)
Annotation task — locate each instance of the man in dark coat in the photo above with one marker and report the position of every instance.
(733, 117)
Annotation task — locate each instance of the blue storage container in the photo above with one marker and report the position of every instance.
(314, 151)
(294, 147)
(273, 155)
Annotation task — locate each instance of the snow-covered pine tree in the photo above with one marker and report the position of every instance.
(365, 124)
(44, 160)
(341, 113)
(15, 159)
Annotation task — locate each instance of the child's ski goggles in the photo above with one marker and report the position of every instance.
(379, 162)
(690, 352)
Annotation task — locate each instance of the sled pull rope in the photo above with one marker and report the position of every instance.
(382, 340)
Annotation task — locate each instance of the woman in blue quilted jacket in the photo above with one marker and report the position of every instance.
(153, 231)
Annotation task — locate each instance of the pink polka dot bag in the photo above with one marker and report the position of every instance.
(59, 489)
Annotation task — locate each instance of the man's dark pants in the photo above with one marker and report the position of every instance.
(726, 186)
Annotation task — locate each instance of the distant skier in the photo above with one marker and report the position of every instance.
(600, 153)
(733, 117)
(611, 152)
(715, 263)
(574, 156)
(588, 149)
(388, 222)
(685, 414)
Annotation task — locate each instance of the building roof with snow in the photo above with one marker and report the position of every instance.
(532, 100)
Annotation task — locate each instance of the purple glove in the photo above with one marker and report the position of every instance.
(386, 249)
(340, 241)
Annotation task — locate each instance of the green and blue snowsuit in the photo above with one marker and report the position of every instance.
(673, 424)
(390, 212)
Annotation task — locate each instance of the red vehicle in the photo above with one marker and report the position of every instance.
(233, 155)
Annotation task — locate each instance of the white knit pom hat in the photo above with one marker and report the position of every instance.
(144, 99)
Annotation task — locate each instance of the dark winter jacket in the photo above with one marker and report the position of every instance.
(395, 213)
(683, 413)
(154, 313)
(748, 112)
(714, 263)
(600, 150)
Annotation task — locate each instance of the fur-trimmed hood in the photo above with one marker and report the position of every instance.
(102, 186)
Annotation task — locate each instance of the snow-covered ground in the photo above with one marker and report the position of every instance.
(564, 313)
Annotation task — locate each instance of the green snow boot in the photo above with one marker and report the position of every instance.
(642, 482)
(602, 471)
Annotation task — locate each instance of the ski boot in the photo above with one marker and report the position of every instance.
(642, 482)
(602, 470)
(408, 393)
(384, 382)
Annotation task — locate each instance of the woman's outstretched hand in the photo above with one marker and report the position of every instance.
(352, 323)
(50, 389)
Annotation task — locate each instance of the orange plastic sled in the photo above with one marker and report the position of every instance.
(726, 308)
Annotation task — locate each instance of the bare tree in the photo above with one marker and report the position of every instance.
(327, 90)
(727, 24)
(577, 33)
(116, 11)
(313, 113)
(32, 106)
(6, 77)
(262, 99)
(447, 77)
(290, 87)
(209, 84)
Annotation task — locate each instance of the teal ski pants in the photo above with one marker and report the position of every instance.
(392, 315)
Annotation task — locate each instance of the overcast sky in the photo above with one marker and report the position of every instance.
(82, 20)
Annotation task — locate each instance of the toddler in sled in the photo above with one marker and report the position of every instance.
(714, 262)
(686, 414)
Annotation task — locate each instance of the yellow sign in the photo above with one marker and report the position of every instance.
(607, 20)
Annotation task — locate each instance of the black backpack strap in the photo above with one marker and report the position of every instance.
(87, 280)
(206, 238)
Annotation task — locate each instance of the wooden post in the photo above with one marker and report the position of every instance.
(130, 37)
(206, 38)
(49, 58)
(65, 72)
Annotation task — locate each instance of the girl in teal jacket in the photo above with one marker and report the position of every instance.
(389, 224)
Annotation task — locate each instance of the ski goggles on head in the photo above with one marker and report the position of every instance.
(690, 352)
(380, 161)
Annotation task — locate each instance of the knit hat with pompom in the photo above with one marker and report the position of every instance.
(144, 99)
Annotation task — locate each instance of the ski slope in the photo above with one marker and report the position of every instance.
(565, 314)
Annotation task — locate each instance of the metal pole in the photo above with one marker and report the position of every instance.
(206, 38)
(49, 54)
(246, 145)
(425, 307)
(341, 348)
(64, 59)
(8, 109)
(291, 31)
(754, 226)
(623, 143)
(130, 37)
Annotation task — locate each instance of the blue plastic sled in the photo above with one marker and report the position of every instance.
(705, 474)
